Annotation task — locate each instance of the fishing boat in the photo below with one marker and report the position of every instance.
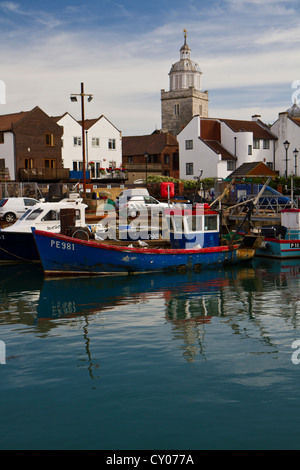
(193, 244)
(282, 241)
(17, 242)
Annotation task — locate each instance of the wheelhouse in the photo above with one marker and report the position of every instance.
(196, 227)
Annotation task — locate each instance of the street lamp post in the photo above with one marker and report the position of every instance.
(146, 157)
(73, 97)
(295, 152)
(286, 145)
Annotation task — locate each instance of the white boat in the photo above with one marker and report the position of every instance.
(283, 241)
(17, 242)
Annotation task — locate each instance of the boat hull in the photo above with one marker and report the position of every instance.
(61, 255)
(16, 247)
(279, 249)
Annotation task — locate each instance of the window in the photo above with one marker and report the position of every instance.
(188, 145)
(211, 223)
(49, 140)
(29, 202)
(176, 109)
(189, 168)
(92, 171)
(112, 144)
(266, 144)
(51, 215)
(270, 165)
(130, 160)
(95, 142)
(150, 200)
(1, 137)
(153, 159)
(230, 165)
(2, 163)
(76, 141)
(256, 143)
(50, 163)
(28, 162)
(34, 214)
(249, 149)
(167, 159)
(98, 168)
(74, 166)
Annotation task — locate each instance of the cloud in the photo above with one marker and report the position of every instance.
(124, 57)
(41, 17)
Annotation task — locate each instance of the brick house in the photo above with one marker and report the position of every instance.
(30, 147)
(154, 154)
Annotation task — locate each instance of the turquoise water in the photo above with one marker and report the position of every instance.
(194, 361)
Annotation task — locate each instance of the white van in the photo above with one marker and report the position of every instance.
(129, 193)
(12, 208)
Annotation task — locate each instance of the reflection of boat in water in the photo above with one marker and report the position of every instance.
(289, 267)
(20, 288)
(186, 304)
(21, 278)
(67, 297)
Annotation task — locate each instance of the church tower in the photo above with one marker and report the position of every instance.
(185, 99)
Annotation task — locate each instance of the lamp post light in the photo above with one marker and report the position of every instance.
(146, 157)
(73, 98)
(295, 152)
(286, 145)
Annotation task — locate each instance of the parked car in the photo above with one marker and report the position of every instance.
(12, 208)
(139, 203)
(127, 194)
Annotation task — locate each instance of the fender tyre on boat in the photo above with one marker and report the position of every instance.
(82, 233)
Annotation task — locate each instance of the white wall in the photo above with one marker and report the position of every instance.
(242, 141)
(7, 152)
(202, 156)
(108, 136)
(69, 151)
(97, 150)
(285, 129)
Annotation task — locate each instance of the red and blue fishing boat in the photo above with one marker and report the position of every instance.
(194, 243)
(282, 241)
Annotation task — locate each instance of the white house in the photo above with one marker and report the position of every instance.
(103, 145)
(71, 149)
(218, 146)
(287, 129)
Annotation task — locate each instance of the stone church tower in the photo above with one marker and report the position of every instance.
(185, 98)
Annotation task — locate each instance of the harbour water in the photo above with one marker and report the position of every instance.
(189, 361)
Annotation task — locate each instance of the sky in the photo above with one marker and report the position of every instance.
(122, 50)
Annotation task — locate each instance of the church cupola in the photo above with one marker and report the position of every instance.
(185, 73)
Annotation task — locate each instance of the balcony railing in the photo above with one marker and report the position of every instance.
(103, 175)
(43, 174)
(4, 174)
(142, 166)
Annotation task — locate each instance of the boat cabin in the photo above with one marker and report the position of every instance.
(190, 228)
(290, 219)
